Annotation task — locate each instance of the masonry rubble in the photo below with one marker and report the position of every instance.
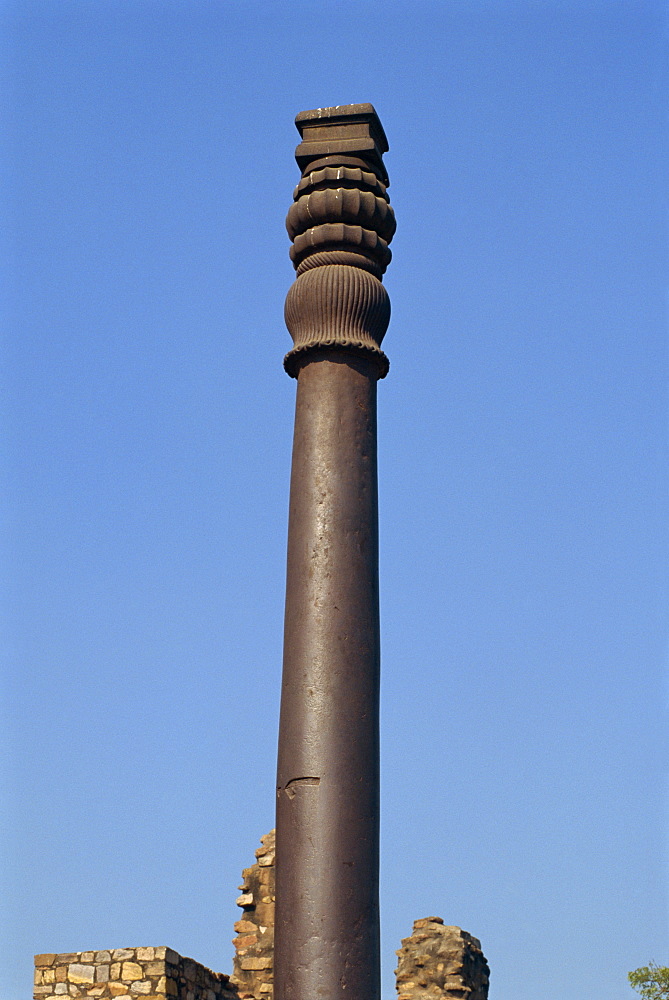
(436, 962)
(253, 965)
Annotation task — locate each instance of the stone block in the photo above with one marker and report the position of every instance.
(123, 954)
(131, 971)
(426, 922)
(47, 959)
(244, 926)
(60, 988)
(154, 968)
(87, 956)
(49, 975)
(146, 954)
(191, 970)
(245, 941)
(102, 956)
(172, 988)
(251, 964)
(141, 987)
(171, 956)
(102, 973)
(115, 971)
(78, 973)
(97, 991)
(116, 989)
(61, 973)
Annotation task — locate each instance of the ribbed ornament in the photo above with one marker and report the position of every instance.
(340, 177)
(361, 208)
(337, 304)
(340, 236)
(340, 257)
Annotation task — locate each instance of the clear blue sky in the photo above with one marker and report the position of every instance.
(147, 169)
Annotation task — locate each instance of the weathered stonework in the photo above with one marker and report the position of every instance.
(436, 963)
(439, 962)
(128, 974)
(253, 967)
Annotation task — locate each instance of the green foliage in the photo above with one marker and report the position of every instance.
(652, 981)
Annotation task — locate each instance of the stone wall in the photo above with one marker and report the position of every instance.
(128, 974)
(439, 962)
(252, 971)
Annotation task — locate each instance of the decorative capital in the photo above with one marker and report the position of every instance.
(340, 223)
(353, 130)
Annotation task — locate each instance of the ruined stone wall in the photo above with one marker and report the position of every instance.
(127, 974)
(439, 962)
(436, 963)
(254, 945)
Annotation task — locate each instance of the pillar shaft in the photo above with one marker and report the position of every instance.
(327, 935)
(337, 311)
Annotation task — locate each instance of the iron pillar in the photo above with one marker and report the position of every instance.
(337, 311)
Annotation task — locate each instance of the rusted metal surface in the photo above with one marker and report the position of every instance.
(327, 862)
